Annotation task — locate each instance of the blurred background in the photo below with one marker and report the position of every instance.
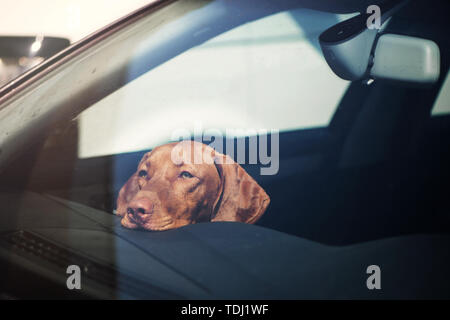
(31, 31)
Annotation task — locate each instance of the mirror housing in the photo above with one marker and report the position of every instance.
(347, 47)
(356, 52)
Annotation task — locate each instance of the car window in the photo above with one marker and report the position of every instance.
(334, 173)
(25, 45)
(68, 19)
(339, 148)
(265, 74)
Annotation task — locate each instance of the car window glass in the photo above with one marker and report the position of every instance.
(262, 75)
(25, 45)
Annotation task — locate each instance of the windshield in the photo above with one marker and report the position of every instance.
(264, 79)
(340, 162)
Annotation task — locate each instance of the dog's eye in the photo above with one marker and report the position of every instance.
(142, 173)
(186, 174)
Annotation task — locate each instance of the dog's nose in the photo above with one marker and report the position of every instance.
(140, 207)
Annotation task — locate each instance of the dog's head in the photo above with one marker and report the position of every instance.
(188, 182)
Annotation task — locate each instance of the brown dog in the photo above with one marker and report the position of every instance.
(171, 188)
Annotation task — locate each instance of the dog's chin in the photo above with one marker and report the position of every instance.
(148, 225)
(128, 224)
(157, 226)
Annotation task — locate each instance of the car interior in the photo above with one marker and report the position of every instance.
(371, 185)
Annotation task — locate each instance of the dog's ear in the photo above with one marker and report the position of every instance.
(241, 198)
(129, 190)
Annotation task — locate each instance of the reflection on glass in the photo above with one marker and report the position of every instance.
(10, 68)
